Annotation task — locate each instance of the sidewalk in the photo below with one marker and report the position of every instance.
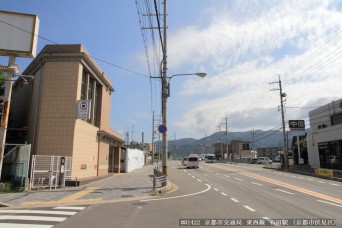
(121, 187)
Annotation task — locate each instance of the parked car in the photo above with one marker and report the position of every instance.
(264, 160)
(277, 159)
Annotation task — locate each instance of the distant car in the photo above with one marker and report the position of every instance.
(184, 161)
(264, 160)
(192, 161)
(253, 161)
(277, 159)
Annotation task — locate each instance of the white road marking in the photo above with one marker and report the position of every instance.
(175, 197)
(310, 179)
(335, 184)
(291, 193)
(301, 177)
(224, 194)
(226, 176)
(321, 182)
(215, 189)
(235, 200)
(38, 212)
(249, 208)
(238, 179)
(330, 203)
(189, 174)
(193, 177)
(69, 208)
(15, 225)
(256, 183)
(199, 180)
(32, 218)
(185, 171)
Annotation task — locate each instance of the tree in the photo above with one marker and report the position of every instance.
(2, 83)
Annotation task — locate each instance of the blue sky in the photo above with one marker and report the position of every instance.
(241, 45)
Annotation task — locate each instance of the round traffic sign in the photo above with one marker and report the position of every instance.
(162, 128)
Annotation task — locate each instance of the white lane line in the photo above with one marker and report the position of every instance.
(257, 184)
(310, 179)
(224, 194)
(215, 189)
(226, 176)
(301, 177)
(193, 177)
(235, 200)
(38, 212)
(199, 180)
(329, 203)
(69, 208)
(189, 174)
(16, 225)
(32, 218)
(175, 197)
(185, 171)
(249, 208)
(238, 179)
(291, 193)
(335, 184)
(212, 171)
(321, 182)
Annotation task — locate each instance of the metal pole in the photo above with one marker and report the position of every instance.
(164, 96)
(5, 109)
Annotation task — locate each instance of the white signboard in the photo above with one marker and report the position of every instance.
(18, 34)
(83, 109)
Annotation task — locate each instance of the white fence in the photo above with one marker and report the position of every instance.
(49, 171)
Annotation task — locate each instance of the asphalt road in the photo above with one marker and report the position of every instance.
(224, 194)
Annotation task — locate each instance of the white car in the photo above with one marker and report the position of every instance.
(264, 160)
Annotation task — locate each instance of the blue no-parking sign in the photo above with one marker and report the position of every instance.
(162, 128)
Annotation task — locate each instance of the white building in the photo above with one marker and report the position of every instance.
(324, 141)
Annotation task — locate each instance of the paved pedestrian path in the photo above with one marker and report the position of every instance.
(121, 187)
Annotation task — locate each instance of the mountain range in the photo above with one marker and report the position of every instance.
(258, 138)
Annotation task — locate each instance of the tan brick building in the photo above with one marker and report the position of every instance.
(64, 74)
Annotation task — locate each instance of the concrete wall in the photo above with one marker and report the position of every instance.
(134, 159)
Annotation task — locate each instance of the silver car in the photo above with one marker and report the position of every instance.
(264, 160)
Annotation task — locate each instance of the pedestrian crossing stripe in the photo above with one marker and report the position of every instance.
(50, 217)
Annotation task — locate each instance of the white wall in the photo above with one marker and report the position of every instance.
(134, 159)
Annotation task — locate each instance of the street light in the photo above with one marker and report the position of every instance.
(165, 95)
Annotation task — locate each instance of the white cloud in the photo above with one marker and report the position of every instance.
(242, 53)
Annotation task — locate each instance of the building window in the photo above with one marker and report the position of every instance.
(336, 119)
(90, 90)
(245, 146)
(84, 85)
(330, 154)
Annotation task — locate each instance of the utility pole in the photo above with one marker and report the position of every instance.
(226, 123)
(282, 95)
(152, 137)
(164, 95)
(10, 71)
